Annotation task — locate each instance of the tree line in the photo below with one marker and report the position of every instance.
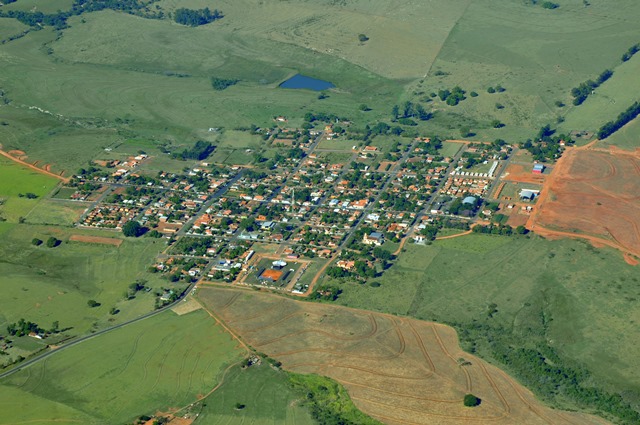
(582, 92)
(196, 17)
(58, 20)
(625, 117)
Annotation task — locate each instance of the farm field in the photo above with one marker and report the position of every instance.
(396, 370)
(587, 295)
(164, 362)
(16, 180)
(593, 194)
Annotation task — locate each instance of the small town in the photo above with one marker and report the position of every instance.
(321, 206)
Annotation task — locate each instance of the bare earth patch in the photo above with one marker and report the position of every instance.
(96, 239)
(397, 370)
(593, 194)
(186, 306)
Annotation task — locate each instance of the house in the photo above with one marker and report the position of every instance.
(374, 238)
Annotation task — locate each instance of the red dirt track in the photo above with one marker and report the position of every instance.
(593, 194)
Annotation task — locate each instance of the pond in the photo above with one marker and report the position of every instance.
(303, 82)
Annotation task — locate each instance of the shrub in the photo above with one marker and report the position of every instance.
(471, 401)
(36, 242)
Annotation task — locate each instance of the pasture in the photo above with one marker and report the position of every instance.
(163, 362)
(44, 284)
(396, 370)
(587, 295)
(266, 394)
(627, 138)
(16, 180)
(56, 212)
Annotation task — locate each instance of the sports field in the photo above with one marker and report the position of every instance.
(396, 370)
(161, 363)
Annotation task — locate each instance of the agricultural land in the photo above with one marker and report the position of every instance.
(319, 212)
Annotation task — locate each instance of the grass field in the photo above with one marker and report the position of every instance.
(43, 284)
(57, 213)
(16, 179)
(10, 27)
(266, 394)
(608, 100)
(627, 138)
(587, 295)
(163, 362)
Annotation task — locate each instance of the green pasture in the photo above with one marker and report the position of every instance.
(10, 27)
(536, 54)
(450, 149)
(56, 212)
(49, 6)
(587, 296)
(160, 363)
(16, 179)
(266, 394)
(610, 99)
(398, 45)
(627, 138)
(44, 284)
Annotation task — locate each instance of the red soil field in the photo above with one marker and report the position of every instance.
(593, 194)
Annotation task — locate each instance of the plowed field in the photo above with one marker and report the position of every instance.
(397, 370)
(593, 194)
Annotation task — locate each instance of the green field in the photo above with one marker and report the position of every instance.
(56, 212)
(160, 363)
(266, 394)
(43, 284)
(567, 294)
(16, 180)
(627, 138)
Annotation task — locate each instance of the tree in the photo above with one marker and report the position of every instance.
(93, 303)
(471, 401)
(36, 242)
(53, 242)
(132, 229)
(395, 111)
(521, 230)
(362, 38)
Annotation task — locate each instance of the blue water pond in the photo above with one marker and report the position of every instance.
(303, 82)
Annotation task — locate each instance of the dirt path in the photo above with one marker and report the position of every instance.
(33, 167)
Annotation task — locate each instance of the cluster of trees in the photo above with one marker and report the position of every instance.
(496, 89)
(59, 20)
(222, 83)
(582, 92)
(133, 229)
(612, 126)
(500, 229)
(194, 246)
(410, 110)
(23, 327)
(546, 146)
(452, 97)
(632, 51)
(196, 17)
(199, 151)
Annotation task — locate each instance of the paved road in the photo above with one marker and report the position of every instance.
(82, 339)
